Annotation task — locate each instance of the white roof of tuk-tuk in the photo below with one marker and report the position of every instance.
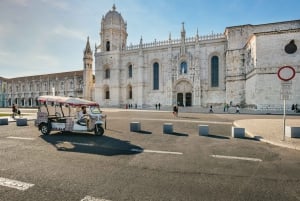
(67, 100)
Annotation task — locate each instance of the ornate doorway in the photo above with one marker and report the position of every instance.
(180, 99)
(188, 99)
(183, 90)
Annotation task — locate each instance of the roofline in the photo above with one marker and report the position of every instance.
(264, 24)
(49, 74)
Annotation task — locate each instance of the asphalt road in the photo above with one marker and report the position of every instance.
(149, 165)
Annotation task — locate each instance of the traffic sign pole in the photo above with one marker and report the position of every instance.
(285, 73)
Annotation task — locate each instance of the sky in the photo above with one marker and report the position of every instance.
(49, 36)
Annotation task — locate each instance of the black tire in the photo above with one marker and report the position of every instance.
(99, 130)
(45, 128)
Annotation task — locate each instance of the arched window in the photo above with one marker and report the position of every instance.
(130, 71)
(129, 92)
(62, 86)
(214, 71)
(71, 84)
(106, 91)
(107, 46)
(107, 73)
(155, 76)
(183, 68)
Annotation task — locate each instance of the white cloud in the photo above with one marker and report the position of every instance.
(67, 32)
(57, 4)
(19, 2)
(30, 63)
(5, 30)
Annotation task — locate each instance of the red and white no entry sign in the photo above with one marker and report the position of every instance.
(286, 73)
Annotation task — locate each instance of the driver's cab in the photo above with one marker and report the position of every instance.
(82, 116)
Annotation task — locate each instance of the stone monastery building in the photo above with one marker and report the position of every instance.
(238, 66)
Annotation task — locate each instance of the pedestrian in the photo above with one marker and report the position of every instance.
(211, 109)
(175, 111)
(224, 107)
(156, 106)
(293, 107)
(227, 107)
(296, 108)
(14, 111)
(159, 106)
(237, 109)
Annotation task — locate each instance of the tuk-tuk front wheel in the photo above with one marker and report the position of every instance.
(99, 130)
(45, 128)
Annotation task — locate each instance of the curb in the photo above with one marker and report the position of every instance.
(259, 138)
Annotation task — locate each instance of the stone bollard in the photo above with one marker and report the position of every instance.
(21, 122)
(203, 130)
(4, 121)
(168, 128)
(292, 132)
(238, 132)
(135, 126)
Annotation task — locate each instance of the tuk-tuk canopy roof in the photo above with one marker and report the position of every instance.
(67, 100)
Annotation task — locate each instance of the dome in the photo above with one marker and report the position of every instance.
(113, 17)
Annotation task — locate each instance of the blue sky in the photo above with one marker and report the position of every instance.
(48, 36)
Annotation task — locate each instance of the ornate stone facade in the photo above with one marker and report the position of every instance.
(238, 66)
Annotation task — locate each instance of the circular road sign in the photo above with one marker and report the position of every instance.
(286, 73)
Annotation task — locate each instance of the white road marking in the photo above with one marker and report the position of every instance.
(77, 143)
(21, 138)
(90, 198)
(155, 151)
(15, 184)
(237, 158)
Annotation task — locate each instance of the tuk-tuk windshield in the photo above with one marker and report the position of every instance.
(95, 110)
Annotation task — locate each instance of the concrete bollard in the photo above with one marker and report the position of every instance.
(135, 126)
(21, 122)
(292, 132)
(168, 128)
(203, 130)
(4, 121)
(238, 132)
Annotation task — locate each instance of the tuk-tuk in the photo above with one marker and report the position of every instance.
(57, 113)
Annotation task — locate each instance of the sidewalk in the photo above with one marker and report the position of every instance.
(270, 131)
(29, 117)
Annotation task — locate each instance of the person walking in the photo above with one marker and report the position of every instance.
(14, 110)
(175, 111)
(211, 109)
(237, 109)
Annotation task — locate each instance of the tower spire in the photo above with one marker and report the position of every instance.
(88, 49)
(183, 31)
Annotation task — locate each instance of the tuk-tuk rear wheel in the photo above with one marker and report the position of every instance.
(45, 128)
(99, 130)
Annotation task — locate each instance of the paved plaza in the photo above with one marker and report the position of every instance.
(149, 165)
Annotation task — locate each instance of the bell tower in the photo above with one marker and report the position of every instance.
(113, 33)
(88, 71)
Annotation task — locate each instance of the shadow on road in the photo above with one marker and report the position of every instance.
(218, 137)
(90, 144)
(177, 134)
(144, 132)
